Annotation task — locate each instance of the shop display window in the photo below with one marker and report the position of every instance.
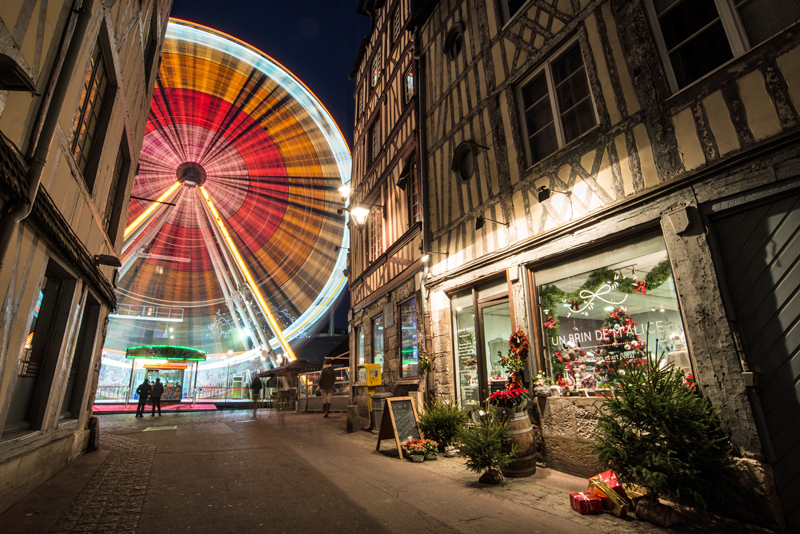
(377, 341)
(616, 304)
(360, 344)
(409, 357)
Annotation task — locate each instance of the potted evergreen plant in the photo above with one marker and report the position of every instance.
(442, 421)
(484, 446)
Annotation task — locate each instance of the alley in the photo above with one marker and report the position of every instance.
(285, 473)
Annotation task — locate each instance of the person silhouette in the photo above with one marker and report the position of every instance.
(143, 391)
(155, 396)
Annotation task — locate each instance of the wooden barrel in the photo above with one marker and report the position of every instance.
(521, 433)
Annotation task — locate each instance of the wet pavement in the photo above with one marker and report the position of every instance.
(286, 472)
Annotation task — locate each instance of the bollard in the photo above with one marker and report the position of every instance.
(353, 419)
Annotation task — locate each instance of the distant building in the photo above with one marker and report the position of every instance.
(76, 79)
(596, 162)
(385, 205)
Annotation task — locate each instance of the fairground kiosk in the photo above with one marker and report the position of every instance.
(175, 366)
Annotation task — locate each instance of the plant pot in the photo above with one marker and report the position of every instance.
(430, 456)
(416, 458)
(450, 452)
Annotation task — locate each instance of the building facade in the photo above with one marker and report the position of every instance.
(385, 263)
(77, 79)
(613, 176)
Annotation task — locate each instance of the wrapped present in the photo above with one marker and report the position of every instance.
(610, 478)
(610, 498)
(634, 493)
(586, 503)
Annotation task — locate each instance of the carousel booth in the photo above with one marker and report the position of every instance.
(175, 366)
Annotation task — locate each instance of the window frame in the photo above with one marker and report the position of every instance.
(546, 67)
(396, 23)
(375, 235)
(414, 202)
(376, 68)
(737, 38)
(375, 337)
(116, 191)
(409, 90)
(507, 15)
(373, 137)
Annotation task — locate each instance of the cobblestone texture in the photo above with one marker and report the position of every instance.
(112, 500)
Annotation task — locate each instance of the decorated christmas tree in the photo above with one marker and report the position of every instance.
(618, 335)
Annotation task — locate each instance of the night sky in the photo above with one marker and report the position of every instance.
(316, 40)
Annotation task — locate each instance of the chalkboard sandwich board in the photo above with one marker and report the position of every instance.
(399, 422)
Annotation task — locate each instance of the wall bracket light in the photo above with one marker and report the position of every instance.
(480, 220)
(359, 212)
(544, 192)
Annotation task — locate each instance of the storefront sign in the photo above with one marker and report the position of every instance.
(399, 422)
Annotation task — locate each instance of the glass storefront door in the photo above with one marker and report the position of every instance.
(495, 330)
(477, 340)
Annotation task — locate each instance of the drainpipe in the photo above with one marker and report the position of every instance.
(47, 119)
(426, 314)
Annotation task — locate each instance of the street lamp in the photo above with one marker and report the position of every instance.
(345, 191)
(359, 212)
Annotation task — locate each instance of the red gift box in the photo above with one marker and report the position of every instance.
(586, 503)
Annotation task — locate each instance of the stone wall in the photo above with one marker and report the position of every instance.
(566, 425)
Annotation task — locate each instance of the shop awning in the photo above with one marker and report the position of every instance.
(291, 369)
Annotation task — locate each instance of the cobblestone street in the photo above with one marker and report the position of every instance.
(286, 472)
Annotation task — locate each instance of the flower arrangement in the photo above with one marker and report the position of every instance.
(416, 447)
(424, 362)
(509, 398)
(431, 447)
(518, 344)
(542, 380)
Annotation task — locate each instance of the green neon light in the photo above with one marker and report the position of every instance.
(165, 352)
(163, 346)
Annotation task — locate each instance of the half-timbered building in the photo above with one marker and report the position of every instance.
(76, 79)
(385, 205)
(597, 163)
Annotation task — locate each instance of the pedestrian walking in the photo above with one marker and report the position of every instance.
(155, 397)
(255, 388)
(326, 381)
(143, 391)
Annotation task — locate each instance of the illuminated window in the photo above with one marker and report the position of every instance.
(409, 86)
(409, 356)
(376, 67)
(557, 104)
(377, 341)
(697, 36)
(360, 344)
(93, 95)
(375, 234)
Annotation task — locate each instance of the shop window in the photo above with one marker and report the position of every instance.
(360, 345)
(697, 36)
(557, 104)
(615, 305)
(409, 356)
(377, 341)
(376, 68)
(85, 128)
(482, 326)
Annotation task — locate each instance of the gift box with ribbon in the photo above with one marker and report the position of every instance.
(586, 503)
